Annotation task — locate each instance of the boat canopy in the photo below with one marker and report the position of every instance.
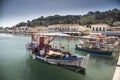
(88, 37)
(53, 34)
(93, 37)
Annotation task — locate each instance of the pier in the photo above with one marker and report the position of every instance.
(117, 70)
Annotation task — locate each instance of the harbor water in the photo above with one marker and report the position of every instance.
(16, 64)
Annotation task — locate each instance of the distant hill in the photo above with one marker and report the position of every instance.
(107, 17)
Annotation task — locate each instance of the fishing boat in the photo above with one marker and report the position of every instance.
(97, 45)
(43, 48)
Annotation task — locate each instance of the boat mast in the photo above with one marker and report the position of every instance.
(68, 44)
(60, 43)
(53, 43)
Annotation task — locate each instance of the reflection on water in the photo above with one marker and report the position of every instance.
(22, 35)
(16, 64)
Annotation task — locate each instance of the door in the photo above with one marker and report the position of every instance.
(41, 41)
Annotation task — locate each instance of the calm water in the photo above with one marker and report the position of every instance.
(15, 63)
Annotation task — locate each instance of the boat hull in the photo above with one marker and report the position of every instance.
(93, 51)
(68, 64)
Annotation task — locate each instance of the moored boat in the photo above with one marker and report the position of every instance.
(94, 50)
(42, 47)
(98, 45)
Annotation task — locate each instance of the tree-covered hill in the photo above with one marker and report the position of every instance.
(107, 17)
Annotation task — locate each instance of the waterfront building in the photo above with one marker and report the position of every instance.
(21, 29)
(111, 33)
(37, 29)
(99, 27)
(41, 28)
(105, 30)
(26, 29)
(32, 30)
(3, 30)
(10, 31)
(66, 28)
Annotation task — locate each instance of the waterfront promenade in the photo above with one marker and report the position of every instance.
(117, 71)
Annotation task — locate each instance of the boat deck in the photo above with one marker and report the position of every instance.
(53, 52)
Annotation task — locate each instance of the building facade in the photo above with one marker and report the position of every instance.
(37, 29)
(99, 27)
(65, 28)
(111, 33)
(21, 29)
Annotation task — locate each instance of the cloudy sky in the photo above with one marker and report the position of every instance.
(15, 11)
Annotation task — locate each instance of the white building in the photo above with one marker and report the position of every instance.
(66, 28)
(21, 29)
(99, 27)
(37, 29)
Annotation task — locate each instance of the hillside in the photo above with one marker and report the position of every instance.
(107, 17)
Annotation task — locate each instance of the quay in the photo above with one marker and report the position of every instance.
(117, 70)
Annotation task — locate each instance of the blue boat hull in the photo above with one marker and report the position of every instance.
(93, 51)
(69, 67)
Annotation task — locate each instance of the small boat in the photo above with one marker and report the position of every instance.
(97, 45)
(94, 50)
(43, 48)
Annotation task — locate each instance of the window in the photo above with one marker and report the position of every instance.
(93, 28)
(96, 28)
(100, 29)
(103, 29)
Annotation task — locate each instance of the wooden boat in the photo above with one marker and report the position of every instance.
(98, 45)
(42, 50)
(94, 50)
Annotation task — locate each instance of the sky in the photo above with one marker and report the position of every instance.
(13, 12)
